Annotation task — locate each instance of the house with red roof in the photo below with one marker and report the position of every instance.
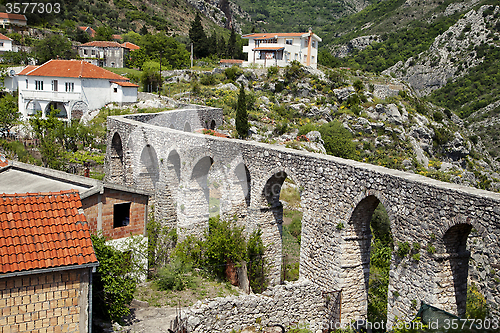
(74, 87)
(88, 30)
(9, 19)
(5, 43)
(46, 263)
(131, 46)
(279, 49)
(104, 53)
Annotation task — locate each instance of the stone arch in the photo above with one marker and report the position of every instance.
(243, 181)
(168, 191)
(355, 260)
(454, 268)
(172, 126)
(212, 125)
(187, 127)
(63, 113)
(272, 222)
(149, 172)
(78, 109)
(116, 169)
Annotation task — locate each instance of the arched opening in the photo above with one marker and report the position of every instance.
(58, 107)
(116, 160)
(187, 127)
(149, 172)
(212, 125)
(282, 197)
(172, 126)
(33, 107)
(455, 269)
(366, 260)
(165, 207)
(243, 182)
(199, 209)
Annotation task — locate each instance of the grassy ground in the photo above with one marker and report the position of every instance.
(203, 288)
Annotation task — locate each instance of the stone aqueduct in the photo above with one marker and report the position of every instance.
(162, 152)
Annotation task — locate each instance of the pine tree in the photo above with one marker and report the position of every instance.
(221, 47)
(242, 125)
(198, 38)
(212, 44)
(231, 45)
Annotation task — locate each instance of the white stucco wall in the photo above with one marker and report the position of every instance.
(5, 45)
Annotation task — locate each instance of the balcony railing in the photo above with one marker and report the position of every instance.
(60, 96)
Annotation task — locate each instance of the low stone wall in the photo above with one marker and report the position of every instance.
(299, 304)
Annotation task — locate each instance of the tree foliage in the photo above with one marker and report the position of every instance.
(173, 54)
(9, 112)
(53, 46)
(338, 140)
(242, 125)
(113, 289)
(198, 37)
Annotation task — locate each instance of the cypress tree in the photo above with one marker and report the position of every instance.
(242, 125)
(198, 38)
(231, 45)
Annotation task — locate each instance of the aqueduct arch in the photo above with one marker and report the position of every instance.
(335, 191)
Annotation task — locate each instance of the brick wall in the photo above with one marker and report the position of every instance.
(48, 302)
(138, 206)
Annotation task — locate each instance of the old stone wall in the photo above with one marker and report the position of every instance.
(338, 198)
(300, 304)
(48, 302)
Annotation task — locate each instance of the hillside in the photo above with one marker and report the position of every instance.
(172, 16)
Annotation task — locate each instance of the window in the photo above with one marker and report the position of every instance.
(26, 83)
(313, 43)
(93, 52)
(115, 89)
(296, 56)
(70, 86)
(1, 43)
(305, 42)
(38, 85)
(289, 41)
(312, 59)
(121, 215)
(54, 85)
(85, 52)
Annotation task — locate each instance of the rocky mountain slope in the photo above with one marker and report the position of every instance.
(381, 118)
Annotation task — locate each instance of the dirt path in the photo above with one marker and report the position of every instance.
(147, 319)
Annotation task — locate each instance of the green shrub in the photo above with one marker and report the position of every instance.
(415, 246)
(272, 71)
(175, 276)
(337, 139)
(309, 127)
(296, 226)
(232, 73)
(256, 262)
(403, 249)
(476, 308)
(431, 249)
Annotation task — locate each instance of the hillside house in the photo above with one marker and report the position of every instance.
(279, 49)
(5, 43)
(104, 53)
(9, 20)
(47, 261)
(88, 30)
(73, 87)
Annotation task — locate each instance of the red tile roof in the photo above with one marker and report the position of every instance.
(116, 37)
(103, 43)
(272, 35)
(231, 61)
(13, 16)
(76, 69)
(269, 48)
(125, 84)
(43, 230)
(3, 37)
(27, 69)
(131, 46)
(92, 31)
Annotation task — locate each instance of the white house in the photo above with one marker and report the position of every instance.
(8, 20)
(279, 49)
(74, 87)
(5, 43)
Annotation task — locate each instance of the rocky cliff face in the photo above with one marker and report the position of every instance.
(358, 43)
(452, 53)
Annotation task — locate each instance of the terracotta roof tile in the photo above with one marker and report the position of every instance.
(231, 61)
(59, 237)
(76, 69)
(3, 37)
(125, 84)
(131, 46)
(102, 43)
(13, 16)
(3, 160)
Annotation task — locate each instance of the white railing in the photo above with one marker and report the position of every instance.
(60, 96)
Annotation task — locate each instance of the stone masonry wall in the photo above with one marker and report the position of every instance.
(337, 198)
(301, 303)
(49, 302)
